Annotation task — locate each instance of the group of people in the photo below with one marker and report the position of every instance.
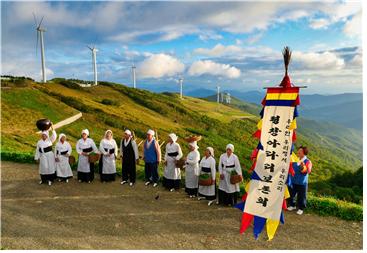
(55, 164)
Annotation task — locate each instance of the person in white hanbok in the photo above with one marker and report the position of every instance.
(62, 153)
(46, 157)
(108, 149)
(84, 147)
(192, 170)
(227, 192)
(207, 166)
(172, 173)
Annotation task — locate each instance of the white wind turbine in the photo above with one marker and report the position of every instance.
(218, 88)
(40, 32)
(133, 72)
(94, 51)
(180, 81)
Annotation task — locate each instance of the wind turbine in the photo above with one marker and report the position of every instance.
(180, 80)
(218, 88)
(133, 71)
(94, 51)
(40, 30)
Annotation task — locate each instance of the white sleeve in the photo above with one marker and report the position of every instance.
(78, 149)
(238, 166)
(95, 149)
(179, 156)
(194, 159)
(220, 168)
(101, 148)
(166, 154)
(69, 149)
(136, 151)
(53, 136)
(37, 155)
(55, 152)
(116, 148)
(121, 143)
(212, 167)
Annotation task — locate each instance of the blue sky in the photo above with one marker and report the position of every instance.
(236, 45)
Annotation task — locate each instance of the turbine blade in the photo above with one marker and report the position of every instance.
(35, 19)
(89, 47)
(37, 42)
(41, 22)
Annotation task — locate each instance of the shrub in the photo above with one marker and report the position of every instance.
(17, 157)
(107, 101)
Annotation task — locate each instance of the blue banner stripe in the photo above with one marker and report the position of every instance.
(279, 102)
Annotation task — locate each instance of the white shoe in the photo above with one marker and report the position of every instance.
(131, 184)
(155, 185)
(88, 182)
(59, 179)
(147, 183)
(172, 190)
(217, 202)
(291, 208)
(79, 181)
(123, 182)
(201, 198)
(49, 183)
(300, 212)
(67, 180)
(210, 202)
(40, 182)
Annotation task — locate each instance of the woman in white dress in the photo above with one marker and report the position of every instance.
(84, 147)
(228, 162)
(46, 157)
(172, 174)
(62, 153)
(192, 170)
(207, 166)
(108, 149)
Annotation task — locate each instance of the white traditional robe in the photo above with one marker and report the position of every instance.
(108, 160)
(192, 170)
(208, 163)
(47, 160)
(225, 184)
(171, 171)
(63, 168)
(83, 161)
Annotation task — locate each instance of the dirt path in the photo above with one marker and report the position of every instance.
(111, 216)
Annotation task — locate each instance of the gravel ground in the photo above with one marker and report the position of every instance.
(111, 216)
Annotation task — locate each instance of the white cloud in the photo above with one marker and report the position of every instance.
(353, 27)
(212, 68)
(219, 50)
(324, 60)
(321, 23)
(356, 60)
(159, 65)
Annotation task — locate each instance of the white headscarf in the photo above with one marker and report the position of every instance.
(231, 147)
(173, 137)
(194, 144)
(127, 131)
(105, 134)
(85, 131)
(61, 135)
(211, 150)
(151, 132)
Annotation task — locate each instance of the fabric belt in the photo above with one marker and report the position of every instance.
(64, 152)
(230, 166)
(86, 150)
(206, 169)
(45, 150)
(112, 150)
(173, 154)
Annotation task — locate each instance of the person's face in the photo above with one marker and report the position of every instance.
(229, 151)
(127, 136)
(191, 148)
(149, 137)
(44, 137)
(63, 139)
(300, 153)
(207, 153)
(84, 136)
(170, 139)
(109, 135)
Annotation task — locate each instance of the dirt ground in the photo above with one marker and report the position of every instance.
(111, 216)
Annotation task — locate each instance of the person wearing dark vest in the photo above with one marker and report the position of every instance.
(152, 158)
(130, 157)
(299, 181)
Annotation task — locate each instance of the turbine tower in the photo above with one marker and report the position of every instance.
(133, 71)
(94, 51)
(180, 80)
(40, 31)
(218, 88)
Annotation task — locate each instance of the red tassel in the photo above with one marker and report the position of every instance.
(294, 137)
(245, 222)
(297, 101)
(284, 204)
(257, 134)
(286, 82)
(253, 166)
(263, 102)
(244, 197)
(254, 154)
(291, 170)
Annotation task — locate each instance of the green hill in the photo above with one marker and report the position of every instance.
(116, 107)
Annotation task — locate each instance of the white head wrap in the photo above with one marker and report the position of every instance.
(173, 137)
(127, 131)
(61, 135)
(194, 144)
(45, 133)
(151, 132)
(105, 134)
(231, 147)
(85, 131)
(211, 150)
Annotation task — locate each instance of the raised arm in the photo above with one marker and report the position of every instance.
(53, 136)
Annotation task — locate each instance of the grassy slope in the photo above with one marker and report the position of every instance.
(140, 110)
